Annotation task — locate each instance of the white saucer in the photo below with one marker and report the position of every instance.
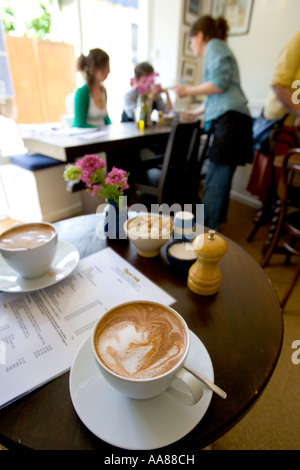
(65, 261)
(135, 424)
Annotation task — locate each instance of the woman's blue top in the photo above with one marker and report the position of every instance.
(221, 69)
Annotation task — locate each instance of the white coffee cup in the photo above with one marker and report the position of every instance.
(188, 391)
(29, 248)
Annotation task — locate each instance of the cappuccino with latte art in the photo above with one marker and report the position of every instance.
(140, 340)
(140, 348)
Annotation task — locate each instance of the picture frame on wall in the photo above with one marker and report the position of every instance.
(236, 12)
(191, 11)
(187, 51)
(189, 71)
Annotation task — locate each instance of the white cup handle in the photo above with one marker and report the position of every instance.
(188, 390)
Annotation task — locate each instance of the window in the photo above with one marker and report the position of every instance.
(111, 25)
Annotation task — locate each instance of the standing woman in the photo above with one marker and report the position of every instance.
(91, 99)
(225, 111)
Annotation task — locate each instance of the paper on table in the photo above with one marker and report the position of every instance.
(40, 332)
(74, 130)
(93, 135)
(33, 130)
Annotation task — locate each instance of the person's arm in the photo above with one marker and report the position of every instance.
(285, 96)
(218, 72)
(81, 106)
(161, 105)
(168, 104)
(285, 81)
(191, 114)
(156, 92)
(206, 88)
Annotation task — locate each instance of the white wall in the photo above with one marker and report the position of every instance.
(164, 38)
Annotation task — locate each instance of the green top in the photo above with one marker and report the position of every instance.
(81, 106)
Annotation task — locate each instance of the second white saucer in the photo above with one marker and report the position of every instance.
(65, 261)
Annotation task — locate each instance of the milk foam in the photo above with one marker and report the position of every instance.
(140, 341)
(126, 345)
(26, 237)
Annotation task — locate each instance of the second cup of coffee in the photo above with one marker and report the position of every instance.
(29, 248)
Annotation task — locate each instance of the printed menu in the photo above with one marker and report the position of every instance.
(41, 331)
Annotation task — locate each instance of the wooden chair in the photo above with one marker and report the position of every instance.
(265, 175)
(176, 180)
(288, 224)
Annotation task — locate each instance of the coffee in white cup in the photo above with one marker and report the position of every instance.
(140, 347)
(29, 248)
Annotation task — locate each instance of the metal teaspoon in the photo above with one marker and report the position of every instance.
(207, 382)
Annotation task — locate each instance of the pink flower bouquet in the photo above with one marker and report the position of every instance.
(145, 84)
(90, 170)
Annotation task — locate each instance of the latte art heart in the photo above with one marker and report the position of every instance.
(140, 341)
(127, 350)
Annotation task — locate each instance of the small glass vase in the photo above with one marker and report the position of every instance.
(144, 110)
(114, 219)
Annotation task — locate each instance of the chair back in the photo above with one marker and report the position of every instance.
(290, 190)
(180, 170)
(282, 140)
(288, 194)
(290, 216)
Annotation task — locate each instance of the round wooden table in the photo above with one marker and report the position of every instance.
(241, 327)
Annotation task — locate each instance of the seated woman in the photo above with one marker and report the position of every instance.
(90, 100)
(144, 69)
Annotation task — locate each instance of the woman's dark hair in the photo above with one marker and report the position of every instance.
(211, 28)
(144, 68)
(95, 60)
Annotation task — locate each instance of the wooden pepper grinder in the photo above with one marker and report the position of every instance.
(204, 275)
